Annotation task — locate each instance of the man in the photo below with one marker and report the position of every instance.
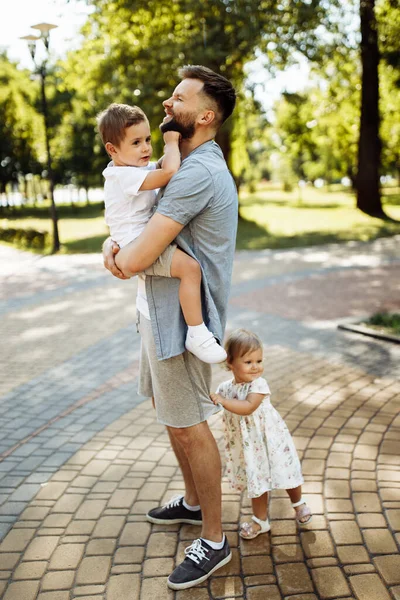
(199, 210)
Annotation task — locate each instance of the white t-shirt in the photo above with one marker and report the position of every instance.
(127, 212)
(127, 209)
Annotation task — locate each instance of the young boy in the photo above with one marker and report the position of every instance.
(130, 188)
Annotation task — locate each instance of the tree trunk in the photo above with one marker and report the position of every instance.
(369, 149)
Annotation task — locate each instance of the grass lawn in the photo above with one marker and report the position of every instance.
(275, 219)
(270, 219)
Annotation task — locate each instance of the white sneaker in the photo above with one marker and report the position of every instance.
(206, 348)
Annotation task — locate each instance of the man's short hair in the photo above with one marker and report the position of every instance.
(215, 86)
(113, 121)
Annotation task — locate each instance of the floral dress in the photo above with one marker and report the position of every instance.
(260, 451)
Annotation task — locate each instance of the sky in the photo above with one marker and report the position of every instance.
(19, 15)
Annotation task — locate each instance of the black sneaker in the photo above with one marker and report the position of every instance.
(174, 512)
(201, 561)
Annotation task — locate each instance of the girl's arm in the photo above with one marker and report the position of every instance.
(239, 407)
(170, 163)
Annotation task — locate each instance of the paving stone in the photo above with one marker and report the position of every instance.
(135, 534)
(67, 503)
(108, 527)
(29, 570)
(393, 518)
(366, 502)
(330, 582)
(90, 509)
(67, 556)
(293, 578)
(352, 554)
(371, 521)
(161, 544)
(337, 489)
(287, 553)
(369, 587)
(157, 567)
(8, 561)
(124, 587)
(58, 580)
(17, 540)
(156, 587)
(359, 568)
(54, 595)
(129, 555)
(41, 548)
(317, 544)
(22, 589)
(86, 590)
(93, 570)
(52, 490)
(223, 587)
(379, 541)
(389, 568)
(345, 532)
(264, 591)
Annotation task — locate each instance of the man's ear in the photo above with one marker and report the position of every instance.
(207, 117)
(111, 149)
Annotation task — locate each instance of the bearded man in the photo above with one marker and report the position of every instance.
(198, 210)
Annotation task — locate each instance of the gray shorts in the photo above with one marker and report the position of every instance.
(162, 266)
(180, 385)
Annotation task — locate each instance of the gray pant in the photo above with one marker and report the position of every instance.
(180, 385)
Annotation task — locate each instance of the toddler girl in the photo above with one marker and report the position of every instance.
(259, 449)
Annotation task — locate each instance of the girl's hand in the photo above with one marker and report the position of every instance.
(217, 399)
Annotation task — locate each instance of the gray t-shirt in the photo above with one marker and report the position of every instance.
(202, 196)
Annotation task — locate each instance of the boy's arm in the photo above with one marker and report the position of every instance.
(171, 162)
(239, 407)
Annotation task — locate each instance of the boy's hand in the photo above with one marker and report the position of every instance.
(217, 399)
(110, 249)
(172, 136)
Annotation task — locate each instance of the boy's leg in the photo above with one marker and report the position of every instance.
(185, 268)
(122, 260)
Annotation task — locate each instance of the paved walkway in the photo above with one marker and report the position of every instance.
(82, 457)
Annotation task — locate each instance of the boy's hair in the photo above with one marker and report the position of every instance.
(240, 342)
(215, 86)
(113, 121)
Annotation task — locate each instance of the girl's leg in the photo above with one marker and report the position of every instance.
(303, 516)
(260, 507)
(260, 510)
(185, 268)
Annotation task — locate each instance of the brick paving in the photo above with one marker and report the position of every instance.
(82, 457)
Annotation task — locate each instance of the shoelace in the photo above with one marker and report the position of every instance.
(196, 551)
(175, 500)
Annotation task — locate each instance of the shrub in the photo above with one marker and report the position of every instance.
(28, 239)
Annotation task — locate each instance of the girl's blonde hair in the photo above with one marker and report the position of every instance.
(240, 342)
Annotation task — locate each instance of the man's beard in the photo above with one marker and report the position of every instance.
(185, 129)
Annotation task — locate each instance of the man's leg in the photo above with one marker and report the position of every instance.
(200, 462)
(191, 496)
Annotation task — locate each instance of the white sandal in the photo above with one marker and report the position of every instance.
(247, 532)
(302, 512)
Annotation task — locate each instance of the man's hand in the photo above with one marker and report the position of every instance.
(110, 249)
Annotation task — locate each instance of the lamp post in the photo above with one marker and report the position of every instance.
(45, 29)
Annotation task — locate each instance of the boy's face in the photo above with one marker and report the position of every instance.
(135, 149)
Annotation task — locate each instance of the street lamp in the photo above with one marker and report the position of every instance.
(45, 29)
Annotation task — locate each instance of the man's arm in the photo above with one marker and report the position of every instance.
(159, 232)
